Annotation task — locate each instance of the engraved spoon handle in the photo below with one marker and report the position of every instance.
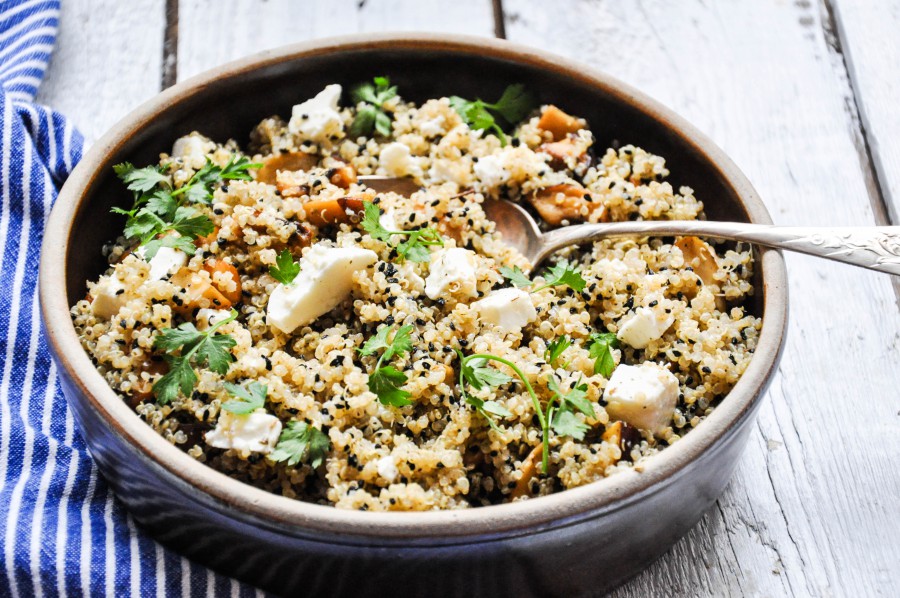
(873, 247)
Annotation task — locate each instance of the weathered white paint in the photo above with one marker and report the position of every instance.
(108, 59)
(813, 507)
(207, 36)
(870, 41)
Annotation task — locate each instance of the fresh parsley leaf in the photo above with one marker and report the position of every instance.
(248, 399)
(179, 379)
(555, 349)
(174, 241)
(563, 273)
(238, 169)
(515, 276)
(300, 440)
(479, 375)
(575, 398)
(140, 179)
(414, 248)
(197, 348)
(372, 116)
(385, 381)
(161, 203)
(566, 423)
(602, 344)
(513, 106)
(285, 269)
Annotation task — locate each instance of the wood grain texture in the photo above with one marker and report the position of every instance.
(208, 38)
(108, 59)
(813, 507)
(871, 46)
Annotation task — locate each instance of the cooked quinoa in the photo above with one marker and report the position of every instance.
(668, 308)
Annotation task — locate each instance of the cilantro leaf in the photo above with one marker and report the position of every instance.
(197, 347)
(515, 276)
(372, 116)
(179, 379)
(555, 349)
(285, 269)
(300, 440)
(566, 423)
(386, 382)
(513, 106)
(414, 248)
(575, 398)
(248, 399)
(140, 179)
(563, 273)
(600, 350)
(479, 375)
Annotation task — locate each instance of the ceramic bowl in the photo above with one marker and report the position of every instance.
(578, 542)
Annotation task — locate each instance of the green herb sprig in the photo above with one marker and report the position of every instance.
(560, 274)
(247, 400)
(414, 248)
(600, 348)
(385, 381)
(159, 209)
(555, 349)
(300, 440)
(196, 349)
(513, 106)
(372, 117)
(285, 269)
(562, 406)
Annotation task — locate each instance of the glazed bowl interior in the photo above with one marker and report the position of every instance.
(229, 102)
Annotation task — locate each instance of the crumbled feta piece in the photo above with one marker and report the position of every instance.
(388, 220)
(325, 279)
(255, 432)
(387, 468)
(642, 395)
(192, 150)
(452, 273)
(166, 261)
(397, 161)
(490, 171)
(208, 317)
(509, 309)
(108, 297)
(644, 325)
(318, 118)
(432, 127)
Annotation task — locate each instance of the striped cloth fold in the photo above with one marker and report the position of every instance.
(62, 530)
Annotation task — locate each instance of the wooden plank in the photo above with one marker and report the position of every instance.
(208, 35)
(871, 46)
(812, 508)
(108, 59)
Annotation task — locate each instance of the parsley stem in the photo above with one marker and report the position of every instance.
(545, 428)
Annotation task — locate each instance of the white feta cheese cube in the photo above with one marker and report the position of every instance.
(433, 126)
(108, 297)
(387, 468)
(491, 172)
(166, 261)
(208, 317)
(642, 395)
(255, 432)
(452, 273)
(192, 150)
(646, 324)
(318, 118)
(325, 280)
(396, 160)
(509, 309)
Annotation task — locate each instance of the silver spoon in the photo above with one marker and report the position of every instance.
(872, 247)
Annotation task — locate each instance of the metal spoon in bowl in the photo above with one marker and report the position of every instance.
(872, 247)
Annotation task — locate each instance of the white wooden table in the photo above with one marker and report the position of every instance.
(801, 93)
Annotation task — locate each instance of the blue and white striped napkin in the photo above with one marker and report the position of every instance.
(62, 532)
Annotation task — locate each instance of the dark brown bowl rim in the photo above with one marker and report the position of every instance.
(259, 507)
